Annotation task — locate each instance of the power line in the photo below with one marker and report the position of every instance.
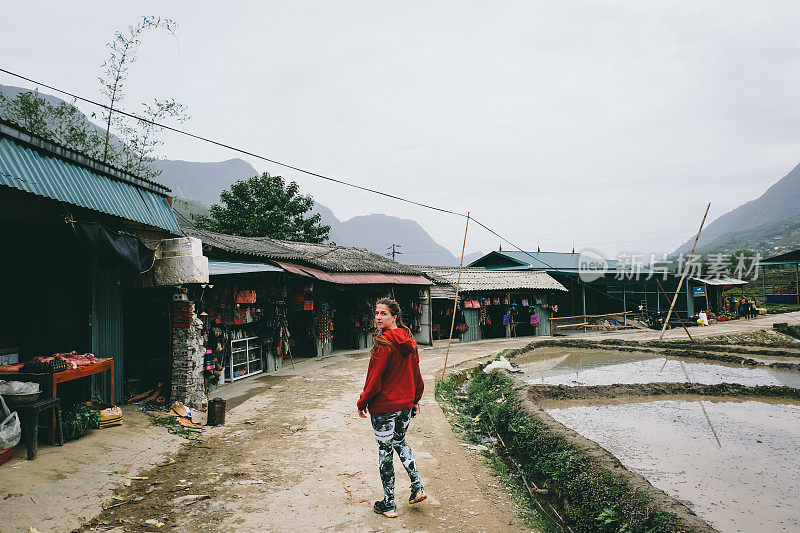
(393, 250)
(292, 167)
(229, 147)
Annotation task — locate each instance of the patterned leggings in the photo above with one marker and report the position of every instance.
(390, 432)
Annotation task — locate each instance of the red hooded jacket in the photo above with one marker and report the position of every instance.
(394, 382)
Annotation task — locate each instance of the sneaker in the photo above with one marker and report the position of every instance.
(387, 510)
(417, 495)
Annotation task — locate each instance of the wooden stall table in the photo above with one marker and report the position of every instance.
(49, 382)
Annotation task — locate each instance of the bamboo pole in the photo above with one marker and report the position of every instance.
(455, 302)
(685, 272)
(679, 316)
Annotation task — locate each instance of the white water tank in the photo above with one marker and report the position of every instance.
(181, 261)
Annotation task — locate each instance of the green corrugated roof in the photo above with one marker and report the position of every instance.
(549, 261)
(43, 173)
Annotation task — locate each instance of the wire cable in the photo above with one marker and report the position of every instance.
(235, 149)
(298, 169)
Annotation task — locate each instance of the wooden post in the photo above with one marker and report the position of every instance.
(624, 306)
(455, 303)
(685, 272)
(679, 316)
(508, 308)
(583, 296)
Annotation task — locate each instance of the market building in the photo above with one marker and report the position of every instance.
(270, 300)
(780, 278)
(82, 239)
(614, 289)
(491, 303)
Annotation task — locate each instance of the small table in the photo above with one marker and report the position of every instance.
(49, 382)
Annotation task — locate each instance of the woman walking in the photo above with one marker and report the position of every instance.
(391, 394)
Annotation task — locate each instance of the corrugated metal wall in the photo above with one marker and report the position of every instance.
(107, 327)
(473, 319)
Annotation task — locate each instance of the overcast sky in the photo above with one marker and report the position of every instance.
(606, 124)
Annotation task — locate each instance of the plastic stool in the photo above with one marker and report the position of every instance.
(29, 413)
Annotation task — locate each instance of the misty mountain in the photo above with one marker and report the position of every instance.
(197, 185)
(202, 181)
(770, 224)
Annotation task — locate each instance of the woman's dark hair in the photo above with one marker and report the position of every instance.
(394, 310)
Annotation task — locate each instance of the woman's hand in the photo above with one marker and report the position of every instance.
(362, 414)
(414, 410)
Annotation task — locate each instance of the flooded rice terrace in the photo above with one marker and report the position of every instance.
(747, 482)
(581, 367)
(733, 462)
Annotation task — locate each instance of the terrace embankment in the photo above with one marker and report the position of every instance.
(590, 487)
(539, 393)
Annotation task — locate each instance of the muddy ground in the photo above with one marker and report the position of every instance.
(296, 457)
(293, 456)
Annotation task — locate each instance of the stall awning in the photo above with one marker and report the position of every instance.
(355, 278)
(443, 291)
(37, 172)
(221, 268)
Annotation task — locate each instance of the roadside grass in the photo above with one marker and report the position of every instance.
(776, 309)
(466, 428)
(590, 498)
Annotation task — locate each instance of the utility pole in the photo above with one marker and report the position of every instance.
(393, 251)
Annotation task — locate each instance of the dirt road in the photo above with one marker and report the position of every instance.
(296, 457)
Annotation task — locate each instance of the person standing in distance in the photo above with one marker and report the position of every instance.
(391, 393)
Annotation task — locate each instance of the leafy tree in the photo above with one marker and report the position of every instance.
(265, 206)
(123, 52)
(141, 139)
(63, 123)
(133, 150)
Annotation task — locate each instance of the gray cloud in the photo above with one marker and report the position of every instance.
(553, 122)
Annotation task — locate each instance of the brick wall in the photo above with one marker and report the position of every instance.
(188, 354)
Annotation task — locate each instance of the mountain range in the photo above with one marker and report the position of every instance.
(201, 184)
(770, 224)
(197, 185)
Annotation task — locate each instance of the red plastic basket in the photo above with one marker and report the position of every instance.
(6, 455)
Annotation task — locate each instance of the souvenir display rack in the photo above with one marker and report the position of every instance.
(245, 358)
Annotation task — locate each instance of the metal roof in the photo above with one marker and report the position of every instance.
(475, 279)
(33, 169)
(721, 280)
(221, 268)
(355, 278)
(548, 261)
(329, 257)
(789, 258)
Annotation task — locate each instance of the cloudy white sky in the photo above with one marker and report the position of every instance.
(603, 124)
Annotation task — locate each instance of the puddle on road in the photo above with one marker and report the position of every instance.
(747, 484)
(580, 367)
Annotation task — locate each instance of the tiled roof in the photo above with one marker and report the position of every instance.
(328, 257)
(481, 279)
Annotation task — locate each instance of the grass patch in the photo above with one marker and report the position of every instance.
(793, 331)
(775, 309)
(591, 498)
(451, 399)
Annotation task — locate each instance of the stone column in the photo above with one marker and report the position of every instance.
(188, 355)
